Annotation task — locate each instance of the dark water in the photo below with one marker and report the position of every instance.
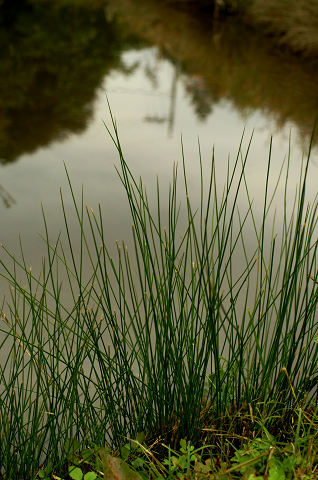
(166, 73)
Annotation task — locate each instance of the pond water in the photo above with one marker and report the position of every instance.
(166, 74)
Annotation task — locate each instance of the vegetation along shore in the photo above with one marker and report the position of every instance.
(167, 361)
(293, 23)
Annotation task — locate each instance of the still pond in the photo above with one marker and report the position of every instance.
(166, 75)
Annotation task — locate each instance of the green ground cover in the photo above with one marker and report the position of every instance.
(167, 362)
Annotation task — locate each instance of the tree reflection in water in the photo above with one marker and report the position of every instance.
(54, 59)
(57, 53)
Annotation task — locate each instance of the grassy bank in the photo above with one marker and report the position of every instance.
(293, 23)
(165, 342)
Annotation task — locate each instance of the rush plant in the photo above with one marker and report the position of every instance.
(163, 338)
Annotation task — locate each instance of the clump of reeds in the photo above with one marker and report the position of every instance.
(164, 339)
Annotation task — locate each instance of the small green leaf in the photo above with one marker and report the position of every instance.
(183, 461)
(183, 444)
(75, 473)
(90, 476)
(41, 474)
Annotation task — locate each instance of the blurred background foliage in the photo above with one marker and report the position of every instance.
(55, 56)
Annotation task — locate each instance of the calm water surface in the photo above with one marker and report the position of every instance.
(165, 75)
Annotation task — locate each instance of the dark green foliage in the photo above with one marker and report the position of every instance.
(54, 59)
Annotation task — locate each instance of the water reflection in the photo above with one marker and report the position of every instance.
(166, 74)
(6, 197)
(56, 55)
(54, 58)
(169, 118)
(227, 61)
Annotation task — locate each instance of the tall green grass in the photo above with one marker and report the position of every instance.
(163, 338)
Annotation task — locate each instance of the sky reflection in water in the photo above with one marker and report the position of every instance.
(54, 104)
